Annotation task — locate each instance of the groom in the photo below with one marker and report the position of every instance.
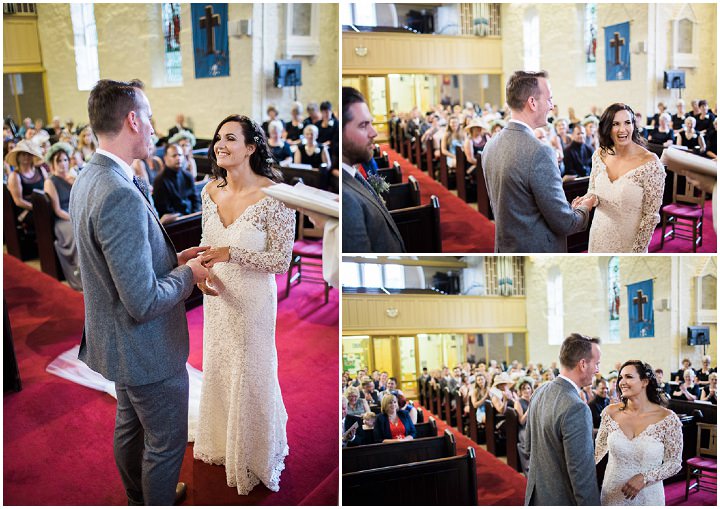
(135, 285)
(559, 431)
(523, 179)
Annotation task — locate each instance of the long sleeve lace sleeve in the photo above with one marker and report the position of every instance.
(204, 199)
(593, 172)
(669, 432)
(279, 223)
(601, 440)
(652, 180)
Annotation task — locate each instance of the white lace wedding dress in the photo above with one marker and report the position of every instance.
(656, 453)
(242, 416)
(628, 208)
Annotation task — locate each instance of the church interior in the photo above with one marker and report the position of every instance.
(422, 65)
(272, 62)
(426, 329)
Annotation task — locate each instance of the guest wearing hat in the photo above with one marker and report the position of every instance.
(186, 140)
(500, 394)
(29, 175)
(496, 126)
(57, 188)
(591, 123)
(478, 136)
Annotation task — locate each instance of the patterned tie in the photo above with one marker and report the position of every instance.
(140, 184)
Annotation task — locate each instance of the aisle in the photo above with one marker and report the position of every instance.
(464, 229)
(58, 435)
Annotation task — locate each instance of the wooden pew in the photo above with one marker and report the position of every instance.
(437, 400)
(459, 409)
(476, 430)
(44, 218)
(382, 161)
(420, 227)
(311, 177)
(447, 179)
(446, 481)
(18, 244)
(402, 196)
(493, 440)
(426, 429)
(429, 158)
(392, 174)
(417, 153)
(483, 200)
(447, 405)
(421, 391)
(420, 416)
(512, 428)
(366, 457)
(186, 232)
(465, 183)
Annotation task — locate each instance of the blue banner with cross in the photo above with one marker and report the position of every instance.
(210, 40)
(640, 309)
(617, 52)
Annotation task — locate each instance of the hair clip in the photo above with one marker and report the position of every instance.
(257, 139)
(269, 160)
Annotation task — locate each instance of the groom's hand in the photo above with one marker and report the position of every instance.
(200, 273)
(189, 254)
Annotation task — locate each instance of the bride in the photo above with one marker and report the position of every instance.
(242, 416)
(643, 440)
(628, 182)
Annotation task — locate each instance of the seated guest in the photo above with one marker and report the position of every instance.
(55, 129)
(703, 374)
(663, 133)
(453, 140)
(57, 188)
(590, 124)
(562, 135)
(479, 395)
(688, 389)
(279, 148)
(179, 126)
(407, 406)
(186, 141)
(680, 374)
(413, 125)
(705, 118)
(29, 175)
(148, 169)
(678, 119)
(393, 425)
(496, 126)
(465, 389)
(709, 392)
(478, 136)
(690, 138)
(87, 143)
(612, 388)
(356, 405)
(391, 388)
(349, 435)
(666, 387)
(577, 157)
(26, 125)
(328, 127)
(314, 115)
(655, 120)
(361, 374)
(599, 401)
(524, 388)
(500, 394)
(369, 393)
(272, 113)
(174, 189)
(640, 124)
(310, 151)
(381, 382)
(294, 127)
(711, 141)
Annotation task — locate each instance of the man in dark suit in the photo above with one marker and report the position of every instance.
(599, 401)
(367, 226)
(135, 287)
(179, 126)
(174, 188)
(523, 181)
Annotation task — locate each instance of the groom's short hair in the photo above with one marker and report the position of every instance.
(521, 86)
(576, 347)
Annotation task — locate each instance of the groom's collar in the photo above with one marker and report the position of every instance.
(520, 122)
(575, 386)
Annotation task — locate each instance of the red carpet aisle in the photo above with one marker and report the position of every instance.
(464, 229)
(709, 244)
(58, 435)
(498, 484)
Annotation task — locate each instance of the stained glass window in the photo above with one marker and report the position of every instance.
(171, 34)
(590, 31)
(613, 289)
(86, 43)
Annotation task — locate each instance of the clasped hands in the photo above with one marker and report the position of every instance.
(200, 259)
(589, 201)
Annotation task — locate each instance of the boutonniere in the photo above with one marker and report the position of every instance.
(379, 185)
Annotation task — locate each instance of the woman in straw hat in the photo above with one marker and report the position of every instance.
(478, 136)
(57, 188)
(27, 159)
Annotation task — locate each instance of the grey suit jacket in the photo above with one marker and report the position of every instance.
(525, 189)
(135, 325)
(559, 434)
(367, 226)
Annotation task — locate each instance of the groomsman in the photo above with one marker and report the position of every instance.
(367, 225)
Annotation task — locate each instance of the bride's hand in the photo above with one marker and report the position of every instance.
(631, 488)
(207, 289)
(215, 255)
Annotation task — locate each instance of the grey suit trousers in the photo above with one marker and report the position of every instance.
(151, 431)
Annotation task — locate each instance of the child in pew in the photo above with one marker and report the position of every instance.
(393, 424)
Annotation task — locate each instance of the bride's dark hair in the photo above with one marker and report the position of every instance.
(654, 393)
(261, 160)
(605, 128)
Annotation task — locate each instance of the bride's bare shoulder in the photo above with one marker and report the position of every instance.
(613, 409)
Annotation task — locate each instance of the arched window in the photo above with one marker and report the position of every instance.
(555, 318)
(531, 40)
(86, 43)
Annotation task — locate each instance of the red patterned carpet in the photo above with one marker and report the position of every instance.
(464, 229)
(57, 440)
